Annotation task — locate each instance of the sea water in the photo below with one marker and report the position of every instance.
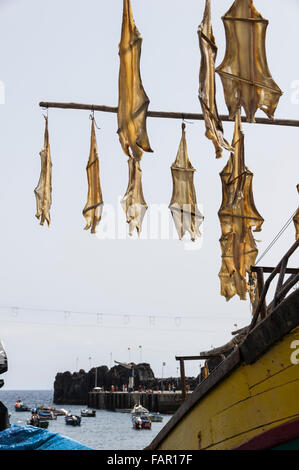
(107, 431)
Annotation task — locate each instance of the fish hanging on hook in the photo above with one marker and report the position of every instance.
(133, 202)
(244, 72)
(296, 219)
(238, 216)
(183, 205)
(207, 83)
(133, 102)
(43, 191)
(94, 206)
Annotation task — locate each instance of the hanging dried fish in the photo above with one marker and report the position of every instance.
(133, 101)
(183, 205)
(43, 191)
(207, 83)
(244, 72)
(296, 219)
(133, 202)
(94, 206)
(238, 215)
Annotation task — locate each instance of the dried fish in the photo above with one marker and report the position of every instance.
(133, 202)
(43, 191)
(183, 205)
(94, 206)
(133, 101)
(244, 72)
(207, 83)
(296, 219)
(238, 216)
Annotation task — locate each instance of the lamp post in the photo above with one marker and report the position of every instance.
(77, 364)
(140, 351)
(129, 349)
(162, 385)
(89, 362)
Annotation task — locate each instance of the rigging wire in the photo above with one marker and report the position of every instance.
(280, 233)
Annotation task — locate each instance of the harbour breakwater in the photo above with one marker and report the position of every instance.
(157, 401)
(74, 388)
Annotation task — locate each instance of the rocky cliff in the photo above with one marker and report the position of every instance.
(73, 388)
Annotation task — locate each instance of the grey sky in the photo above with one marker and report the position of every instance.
(68, 51)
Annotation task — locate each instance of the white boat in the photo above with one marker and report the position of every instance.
(140, 418)
(88, 413)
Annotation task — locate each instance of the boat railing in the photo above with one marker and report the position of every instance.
(282, 288)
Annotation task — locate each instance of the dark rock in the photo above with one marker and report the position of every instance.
(73, 389)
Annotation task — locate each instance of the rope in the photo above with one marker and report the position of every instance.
(276, 238)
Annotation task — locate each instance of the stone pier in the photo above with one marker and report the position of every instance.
(160, 402)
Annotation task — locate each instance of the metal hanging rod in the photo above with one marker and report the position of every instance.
(165, 114)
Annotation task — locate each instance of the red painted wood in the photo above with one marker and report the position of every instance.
(272, 438)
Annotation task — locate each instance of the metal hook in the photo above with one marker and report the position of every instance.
(47, 110)
(188, 122)
(91, 116)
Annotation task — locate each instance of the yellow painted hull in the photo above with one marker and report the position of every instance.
(251, 400)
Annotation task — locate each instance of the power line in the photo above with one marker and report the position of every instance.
(126, 316)
(70, 325)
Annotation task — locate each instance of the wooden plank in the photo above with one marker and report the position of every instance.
(273, 437)
(269, 280)
(165, 114)
(268, 270)
(280, 281)
(260, 286)
(183, 380)
(196, 358)
(272, 329)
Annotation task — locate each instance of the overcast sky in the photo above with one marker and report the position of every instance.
(157, 294)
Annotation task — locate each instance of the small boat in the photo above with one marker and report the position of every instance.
(56, 412)
(19, 406)
(37, 423)
(88, 413)
(73, 420)
(44, 415)
(140, 418)
(155, 417)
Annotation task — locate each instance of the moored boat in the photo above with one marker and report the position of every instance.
(155, 417)
(73, 420)
(140, 418)
(37, 422)
(44, 415)
(56, 412)
(88, 413)
(19, 406)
